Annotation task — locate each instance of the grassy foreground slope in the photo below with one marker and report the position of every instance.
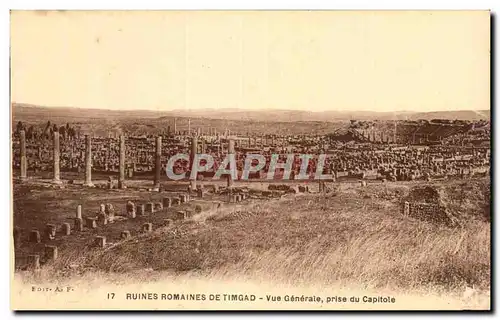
(352, 236)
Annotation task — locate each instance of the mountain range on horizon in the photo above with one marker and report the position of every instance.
(22, 110)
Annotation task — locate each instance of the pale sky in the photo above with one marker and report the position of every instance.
(379, 61)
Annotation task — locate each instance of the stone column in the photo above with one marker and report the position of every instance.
(406, 208)
(175, 126)
(88, 161)
(158, 162)
(189, 126)
(121, 179)
(230, 150)
(79, 211)
(194, 150)
(24, 165)
(56, 156)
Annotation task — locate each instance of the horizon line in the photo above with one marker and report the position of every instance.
(25, 104)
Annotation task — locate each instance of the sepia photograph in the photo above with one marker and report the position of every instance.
(250, 160)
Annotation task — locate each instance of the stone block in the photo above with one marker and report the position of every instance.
(198, 209)
(100, 241)
(50, 253)
(102, 219)
(183, 198)
(109, 210)
(141, 211)
(125, 234)
(66, 229)
(167, 202)
(50, 231)
(158, 206)
(200, 193)
(35, 236)
(147, 227)
(91, 223)
(181, 215)
(150, 208)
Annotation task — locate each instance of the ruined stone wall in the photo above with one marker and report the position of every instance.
(425, 211)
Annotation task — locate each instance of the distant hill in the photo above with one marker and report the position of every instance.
(33, 112)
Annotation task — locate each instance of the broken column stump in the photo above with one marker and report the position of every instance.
(79, 211)
(79, 224)
(406, 208)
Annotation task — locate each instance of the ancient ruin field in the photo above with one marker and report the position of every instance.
(353, 236)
